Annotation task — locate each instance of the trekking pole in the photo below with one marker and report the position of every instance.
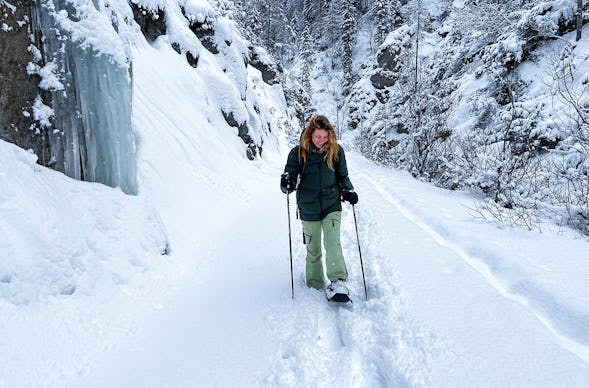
(290, 245)
(360, 252)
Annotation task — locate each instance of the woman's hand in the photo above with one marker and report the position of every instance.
(287, 183)
(350, 196)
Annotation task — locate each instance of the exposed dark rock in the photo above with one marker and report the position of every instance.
(269, 71)
(401, 128)
(383, 79)
(205, 33)
(383, 96)
(243, 132)
(152, 22)
(192, 60)
(388, 66)
(19, 89)
(354, 121)
(387, 58)
(176, 47)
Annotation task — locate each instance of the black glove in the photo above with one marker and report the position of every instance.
(350, 196)
(287, 183)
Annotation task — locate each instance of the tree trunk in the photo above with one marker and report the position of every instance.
(579, 19)
(417, 44)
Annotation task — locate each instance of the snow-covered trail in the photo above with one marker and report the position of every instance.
(211, 332)
(568, 325)
(455, 278)
(432, 318)
(233, 323)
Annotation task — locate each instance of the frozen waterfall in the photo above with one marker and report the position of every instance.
(92, 138)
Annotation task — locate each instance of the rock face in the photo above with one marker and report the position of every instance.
(253, 149)
(385, 74)
(19, 89)
(67, 96)
(269, 72)
(151, 22)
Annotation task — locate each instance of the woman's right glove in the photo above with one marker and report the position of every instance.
(287, 183)
(350, 196)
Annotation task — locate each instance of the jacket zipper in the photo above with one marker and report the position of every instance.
(320, 187)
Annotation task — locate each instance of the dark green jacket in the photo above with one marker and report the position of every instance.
(320, 187)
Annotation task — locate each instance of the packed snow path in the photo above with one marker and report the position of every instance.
(445, 306)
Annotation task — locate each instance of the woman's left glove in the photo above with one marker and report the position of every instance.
(350, 196)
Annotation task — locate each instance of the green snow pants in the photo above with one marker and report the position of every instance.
(334, 257)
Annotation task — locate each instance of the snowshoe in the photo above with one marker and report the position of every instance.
(338, 292)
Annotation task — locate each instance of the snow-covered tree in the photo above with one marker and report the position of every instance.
(348, 40)
(385, 15)
(579, 20)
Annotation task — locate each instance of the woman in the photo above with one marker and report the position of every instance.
(317, 170)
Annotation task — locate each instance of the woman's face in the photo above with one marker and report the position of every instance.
(319, 137)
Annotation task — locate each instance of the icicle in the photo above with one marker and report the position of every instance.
(93, 138)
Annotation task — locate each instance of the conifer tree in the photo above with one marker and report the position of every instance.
(310, 11)
(385, 14)
(349, 30)
(579, 20)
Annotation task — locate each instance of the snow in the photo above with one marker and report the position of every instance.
(188, 283)
(92, 27)
(42, 112)
(60, 235)
(49, 78)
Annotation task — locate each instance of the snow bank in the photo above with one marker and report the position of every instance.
(62, 237)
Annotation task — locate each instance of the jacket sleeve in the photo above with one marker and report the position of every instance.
(341, 172)
(292, 163)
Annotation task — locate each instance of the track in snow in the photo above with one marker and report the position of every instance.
(569, 327)
(373, 344)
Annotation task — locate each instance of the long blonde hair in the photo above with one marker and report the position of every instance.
(332, 148)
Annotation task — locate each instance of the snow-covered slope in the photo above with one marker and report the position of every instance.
(80, 263)
(69, 251)
(62, 237)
